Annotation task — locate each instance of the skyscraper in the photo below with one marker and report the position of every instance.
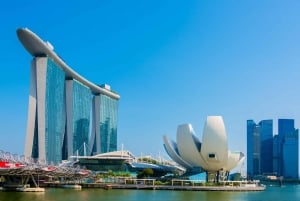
(259, 147)
(290, 156)
(288, 147)
(78, 111)
(104, 126)
(253, 149)
(46, 116)
(64, 108)
(266, 148)
(277, 155)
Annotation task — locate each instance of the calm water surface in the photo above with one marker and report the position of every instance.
(285, 193)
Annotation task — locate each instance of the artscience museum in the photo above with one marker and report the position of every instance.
(211, 155)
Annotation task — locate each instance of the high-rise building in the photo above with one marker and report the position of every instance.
(285, 126)
(273, 155)
(67, 114)
(290, 156)
(104, 126)
(266, 147)
(276, 155)
(259, 147)
(253, 149)
(288, 146)
(78, 111)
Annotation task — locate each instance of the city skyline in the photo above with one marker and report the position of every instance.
(172, 62)
(273, 155)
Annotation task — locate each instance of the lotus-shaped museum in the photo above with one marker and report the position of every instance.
(211, 155)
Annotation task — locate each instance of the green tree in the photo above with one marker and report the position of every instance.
(147, 172)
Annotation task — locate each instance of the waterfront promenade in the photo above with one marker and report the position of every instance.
(176, 184)
(20, 175)
(170, 187)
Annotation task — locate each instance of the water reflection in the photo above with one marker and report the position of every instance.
(286, 193)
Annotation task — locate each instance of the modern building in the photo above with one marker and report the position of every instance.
(111, 161)
(259, 147)
(276, 155)
(124, 161)
(211, 156)
(290, 153)
(288, 147)
(253, 149)
(66, 113)
(266, 148)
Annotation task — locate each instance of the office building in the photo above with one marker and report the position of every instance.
(266, 146)
(253, 149)
(288, 148)
(67, 114)
(273, 155)
(290, 156)
(259, 147)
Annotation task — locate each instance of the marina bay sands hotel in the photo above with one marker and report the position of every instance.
(66, 111)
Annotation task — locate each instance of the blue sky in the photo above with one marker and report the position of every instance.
(172, 62)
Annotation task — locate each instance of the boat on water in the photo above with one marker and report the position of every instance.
(29, 189)
(72, 186)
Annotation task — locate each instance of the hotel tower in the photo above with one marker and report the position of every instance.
(67, 114)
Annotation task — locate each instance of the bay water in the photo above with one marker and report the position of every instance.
(272, 193)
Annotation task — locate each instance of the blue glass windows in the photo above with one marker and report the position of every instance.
(82, 102)
(108, 123)
(54, 112)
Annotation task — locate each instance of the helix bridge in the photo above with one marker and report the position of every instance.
(16, 171)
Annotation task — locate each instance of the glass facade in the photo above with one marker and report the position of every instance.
(108, 123)
(61, 116)
(291, 156)
(266, 149)
(276, 152)
(82, 102)
(35, 144)
(277, 155)
(253, 149)
(285, 126)
(54, 112)
(288, 146)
